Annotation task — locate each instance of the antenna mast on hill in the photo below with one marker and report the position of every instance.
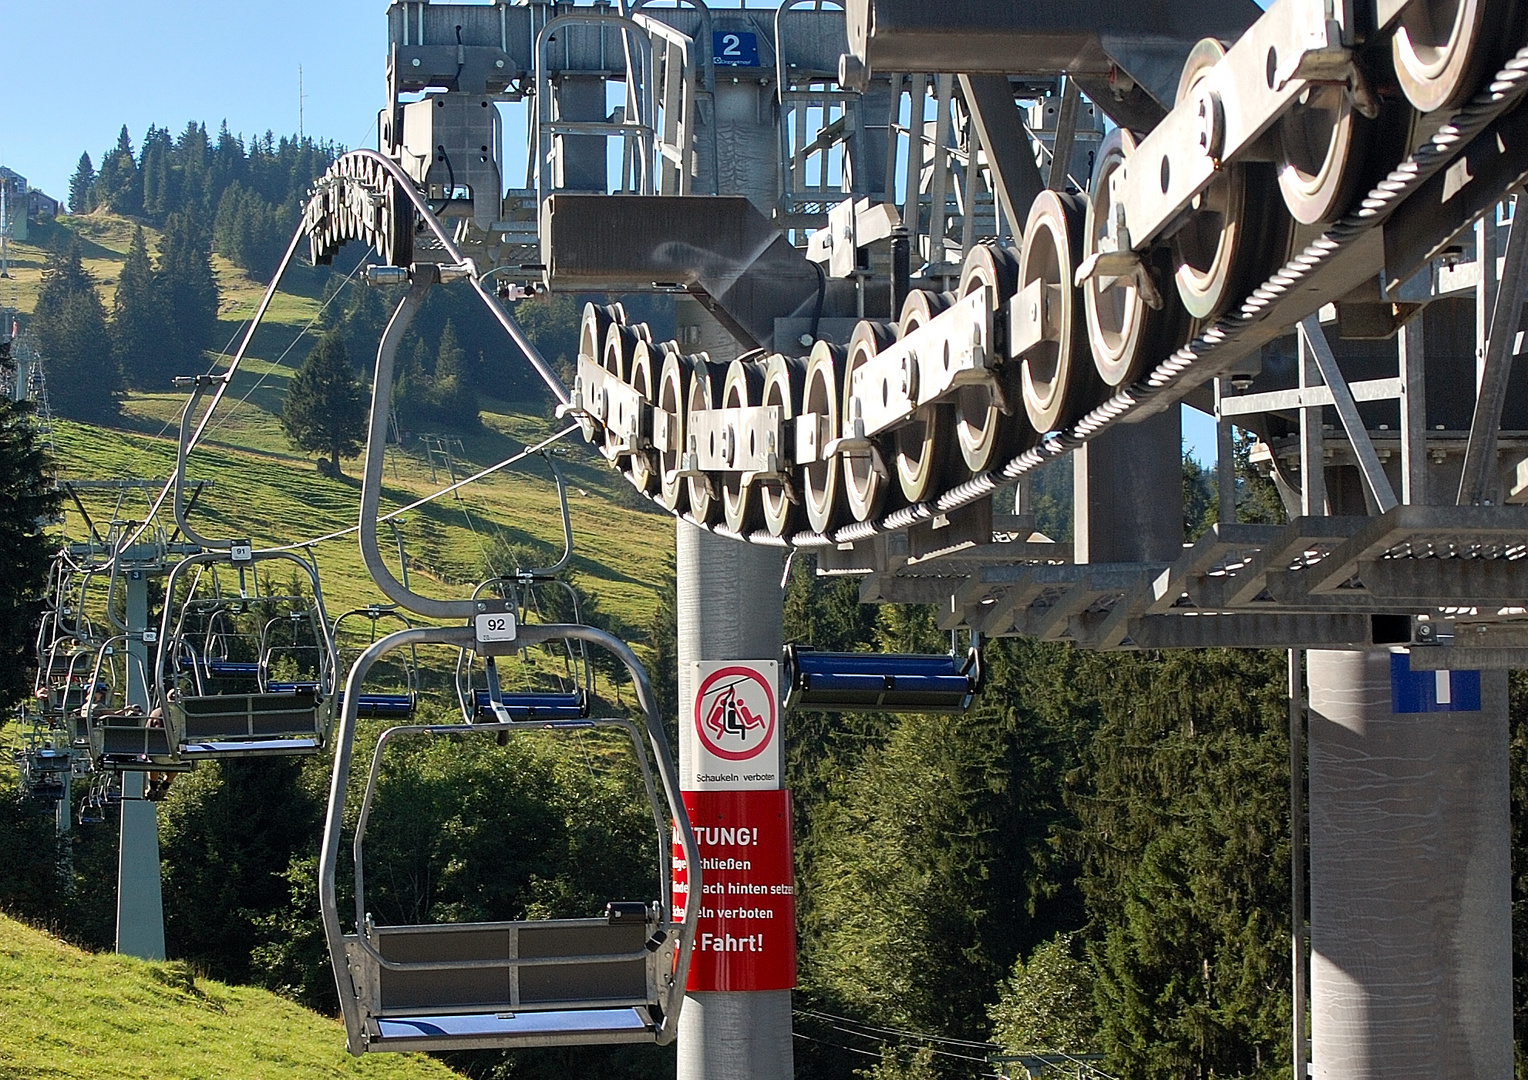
(300, 96)
(5, 233)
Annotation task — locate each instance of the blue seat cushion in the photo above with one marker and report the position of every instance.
(535, 706)
(383, 704)
(511, 1025)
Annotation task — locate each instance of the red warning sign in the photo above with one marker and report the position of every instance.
(732, 740)
(735, 713)
(745, 936)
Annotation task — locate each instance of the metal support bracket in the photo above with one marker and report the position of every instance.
(953, 349)
(1475, 482)
(1312, 337)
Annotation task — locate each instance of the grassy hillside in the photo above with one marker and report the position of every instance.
(261, 488)
(73, 1014)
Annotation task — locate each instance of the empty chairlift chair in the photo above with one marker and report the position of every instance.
(256, 716)
(614, 978)
(560, 680)
(401, 696)
(881, 682)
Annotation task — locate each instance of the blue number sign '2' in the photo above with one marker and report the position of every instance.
(734, 48)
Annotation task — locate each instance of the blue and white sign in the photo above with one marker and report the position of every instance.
(1431, 691)
(734, 48)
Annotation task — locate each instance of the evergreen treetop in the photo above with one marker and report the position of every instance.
(325, 410)
(81, 187)
(143, 334)
(84, 381)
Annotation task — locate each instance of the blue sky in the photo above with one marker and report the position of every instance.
(77, 72)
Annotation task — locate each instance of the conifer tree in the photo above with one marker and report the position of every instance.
(227, 165)
(411, 387)
(191, 160)
(84, 381)
(186, 282)
(26, 499)
(143, 335)
(119, 185)
(82, 187)
(454, 398)
(325, 410)
(154, 164)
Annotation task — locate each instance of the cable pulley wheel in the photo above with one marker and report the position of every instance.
(1237, 232)
(984, 433)
(784, 382)
(594, 324)
(1442, 48)
(615, 357)
(923, 443)
(744, 386)
(867, 482)
(820, 485)
(396, 239)
(672, 401)
(1059, 383)
(707, 380)
(1125, 333)
(646, 366)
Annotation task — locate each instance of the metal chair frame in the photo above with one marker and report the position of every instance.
(360, 964)
(137, 744)
(378, 704)
(263, 723)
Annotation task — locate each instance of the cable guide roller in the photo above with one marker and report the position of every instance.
(881, 682)
(616, 978)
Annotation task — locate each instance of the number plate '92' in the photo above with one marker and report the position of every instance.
(496, 626)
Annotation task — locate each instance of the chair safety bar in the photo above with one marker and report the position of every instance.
(537, 983)
(881, 682)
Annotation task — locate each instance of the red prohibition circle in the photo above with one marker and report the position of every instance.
(700, 727)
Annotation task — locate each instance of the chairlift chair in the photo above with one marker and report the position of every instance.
(124, 737)
(537, 594)
(97, 800)
(256, 723)
(43, 764)
(395, 704)
(61, 685)
(618, 978)
(270, 720)
(881, 682)
(571, 689)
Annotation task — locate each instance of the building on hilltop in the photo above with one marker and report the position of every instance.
(23, 204)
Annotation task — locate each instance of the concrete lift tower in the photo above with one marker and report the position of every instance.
(922, 250)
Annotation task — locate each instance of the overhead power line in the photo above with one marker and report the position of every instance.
(416, 504)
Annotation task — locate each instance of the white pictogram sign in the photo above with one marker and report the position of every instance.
(730, 741)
